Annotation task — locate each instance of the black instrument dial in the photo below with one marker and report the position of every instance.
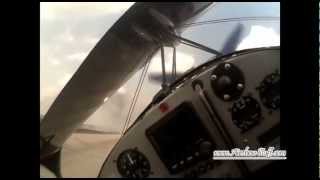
(246, 113)
(269, 91)
(133, 164)
(227, 81)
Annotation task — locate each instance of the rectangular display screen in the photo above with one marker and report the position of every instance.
(178, 136)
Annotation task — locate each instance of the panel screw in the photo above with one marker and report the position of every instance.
(213, 77)
(239, 86)
(227, 66)
(226, 96)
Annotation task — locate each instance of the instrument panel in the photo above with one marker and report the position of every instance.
(230, 102)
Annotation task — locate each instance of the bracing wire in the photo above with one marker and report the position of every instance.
(135, 97)
(215, 21)
(134, 100)
(196, 45)
(174, 68)
(164, 77)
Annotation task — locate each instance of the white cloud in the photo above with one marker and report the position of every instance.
(48, 91)
(54, 61)
(260, 36)
(58, 10)
(91, 40)
(77, 56)
(65, 78)
(67, 36)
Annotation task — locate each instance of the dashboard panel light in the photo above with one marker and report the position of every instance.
(164, 107)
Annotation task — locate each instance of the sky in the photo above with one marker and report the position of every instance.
(68, 31)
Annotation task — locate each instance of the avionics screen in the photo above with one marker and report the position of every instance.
(178, 136)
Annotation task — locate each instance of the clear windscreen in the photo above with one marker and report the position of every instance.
(70, 30)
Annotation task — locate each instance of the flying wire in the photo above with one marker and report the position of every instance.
(174, 68)
(136, 95)
(215, 21)
(195, 44)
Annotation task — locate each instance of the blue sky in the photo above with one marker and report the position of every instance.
(68, 31)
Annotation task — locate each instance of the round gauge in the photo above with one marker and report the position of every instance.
(246, 113)
(269, 91)
(133, 164)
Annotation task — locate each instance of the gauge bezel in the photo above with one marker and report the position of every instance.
(137, 154)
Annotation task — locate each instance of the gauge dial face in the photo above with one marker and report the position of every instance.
(246, 113)
(133, 164)
(270, 91)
